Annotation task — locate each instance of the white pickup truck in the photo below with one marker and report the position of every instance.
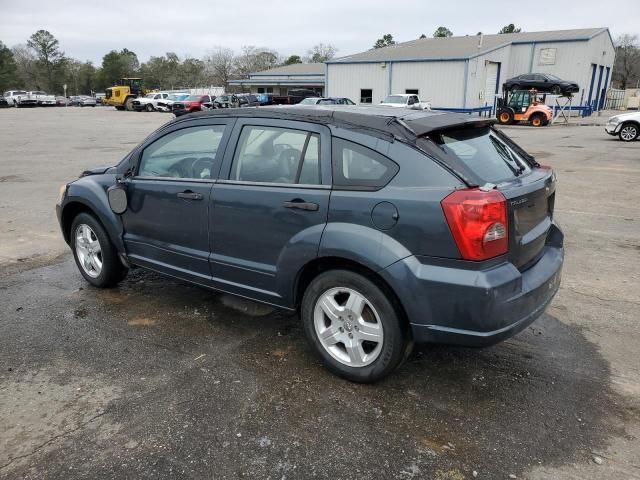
(20, 98)
(405, 100)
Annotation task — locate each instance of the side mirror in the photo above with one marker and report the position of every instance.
(117, 195)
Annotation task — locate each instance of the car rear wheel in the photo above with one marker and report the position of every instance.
(353, 326)
(95, 255)
(629, 132)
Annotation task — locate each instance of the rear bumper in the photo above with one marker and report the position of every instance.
(476, 307)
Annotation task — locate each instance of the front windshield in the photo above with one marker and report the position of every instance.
(394, 99)
(309, 101)
(150, 95)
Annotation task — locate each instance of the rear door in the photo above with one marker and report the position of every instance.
(269, 207)
(166, 223)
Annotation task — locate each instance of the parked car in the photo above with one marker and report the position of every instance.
(166, 104)
(4, 103)
(149, 101)
(327, 101)
(193, 103)
(405, 100)
(226, 101)
(542, 82)
(62, 101)
(82, 101)
(296, 95)
(411, 227)
(625, 125)
(12, 96)
(248, 100)
(265, 98)
(43, 99)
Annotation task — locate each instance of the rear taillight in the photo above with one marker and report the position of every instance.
(478, 222)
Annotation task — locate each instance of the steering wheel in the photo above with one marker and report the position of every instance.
(201, 168)
(182, 169)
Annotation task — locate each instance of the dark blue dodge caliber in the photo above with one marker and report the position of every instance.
(382, 227)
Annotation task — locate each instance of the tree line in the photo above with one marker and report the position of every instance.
(41, 64)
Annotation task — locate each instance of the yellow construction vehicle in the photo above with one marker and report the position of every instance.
(124, 92)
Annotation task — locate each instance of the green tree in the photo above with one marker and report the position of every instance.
(511, 28)
(116, 65)
(8, 68)
(293, 59)
(50, 58)
(442, 32)
(385, 41)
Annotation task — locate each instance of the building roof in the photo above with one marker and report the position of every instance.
(459, 48)
(293, 69)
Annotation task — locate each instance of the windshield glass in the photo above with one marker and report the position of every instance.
(483, 152)
(552, 77)
(150, 95)
(194, 98)
(395, 99)
(309, 101)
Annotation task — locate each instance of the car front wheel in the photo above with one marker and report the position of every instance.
(95, 255)
(353, 326)
(629, 132)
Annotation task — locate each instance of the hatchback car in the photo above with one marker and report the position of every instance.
(381, 227)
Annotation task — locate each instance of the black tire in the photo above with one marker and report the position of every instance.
(128, 104)
(149, 108)
(395, 345)
(629, 132)
(505, 117)
(120, 108)
(537, 120)
(556, 90)
(112, 270)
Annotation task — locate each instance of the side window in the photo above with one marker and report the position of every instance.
(277, 155)
(187, 153)
(366, 95)
(358, 166)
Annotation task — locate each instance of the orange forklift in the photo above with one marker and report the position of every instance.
(523, 106)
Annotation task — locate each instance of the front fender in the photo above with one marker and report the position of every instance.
(365, 245)
(91, 192)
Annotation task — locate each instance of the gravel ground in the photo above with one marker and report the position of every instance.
(160, 379)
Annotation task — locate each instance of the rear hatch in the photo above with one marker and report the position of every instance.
(488, 159)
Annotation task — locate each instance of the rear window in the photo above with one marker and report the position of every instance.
(483, 152)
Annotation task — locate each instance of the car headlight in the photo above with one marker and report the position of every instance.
(63, 192)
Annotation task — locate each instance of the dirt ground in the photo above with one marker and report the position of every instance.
(160, 379)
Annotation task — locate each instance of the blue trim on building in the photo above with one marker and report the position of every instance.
(603, 95)
(593, 78)
(601, 68)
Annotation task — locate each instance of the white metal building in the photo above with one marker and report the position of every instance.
(280, 80)
(468, 72)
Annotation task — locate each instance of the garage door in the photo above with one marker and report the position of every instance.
(490, 83)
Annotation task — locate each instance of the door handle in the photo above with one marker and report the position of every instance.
(301, 205)
(189, 195)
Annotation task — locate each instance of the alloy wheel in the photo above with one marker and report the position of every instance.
(629, 133)
(348, 327)
(88, 250)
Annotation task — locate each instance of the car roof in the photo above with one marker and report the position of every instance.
(399, 123)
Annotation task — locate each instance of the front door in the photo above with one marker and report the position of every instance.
(269, 207)
(166, 223)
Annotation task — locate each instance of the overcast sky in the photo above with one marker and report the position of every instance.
(88, 29)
